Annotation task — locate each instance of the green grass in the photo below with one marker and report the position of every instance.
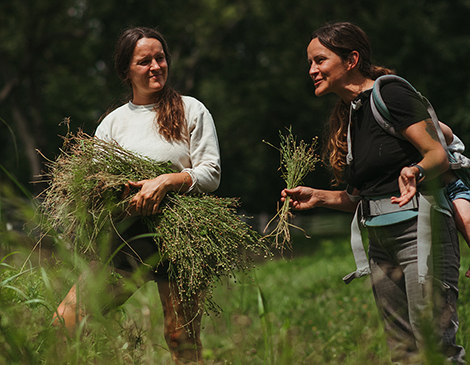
(308, 316)
(292, 310)
(313, 316)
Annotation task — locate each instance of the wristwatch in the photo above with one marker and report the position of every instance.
(421, 174)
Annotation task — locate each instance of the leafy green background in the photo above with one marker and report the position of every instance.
(244, 59)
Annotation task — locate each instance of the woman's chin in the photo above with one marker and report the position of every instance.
(319, 92)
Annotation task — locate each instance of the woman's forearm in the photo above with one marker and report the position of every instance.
(178, 182)
(334, 199)
(303, 198)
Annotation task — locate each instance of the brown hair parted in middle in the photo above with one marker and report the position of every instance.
(169, 106)
(342, 39)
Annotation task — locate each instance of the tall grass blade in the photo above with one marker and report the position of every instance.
(13, 139)
(25, 191)
(266, 325)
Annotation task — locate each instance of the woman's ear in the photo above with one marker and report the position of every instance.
(353, 60)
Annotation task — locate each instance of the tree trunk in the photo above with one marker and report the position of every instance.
(28, 141)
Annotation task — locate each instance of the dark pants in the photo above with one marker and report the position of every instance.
(407, 307)
(182, 321)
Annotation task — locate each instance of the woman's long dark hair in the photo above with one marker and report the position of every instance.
(168, 103)
(342, 39)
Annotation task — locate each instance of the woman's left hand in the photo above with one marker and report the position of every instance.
(424, 137)
(407, 184)
(147, 200)
(152, 191)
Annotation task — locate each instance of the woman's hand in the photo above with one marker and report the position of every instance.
(147, 200)
(407, 184)
(424, 137)
(152, 191)
(300, 198)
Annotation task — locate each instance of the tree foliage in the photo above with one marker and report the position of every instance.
(244, 59)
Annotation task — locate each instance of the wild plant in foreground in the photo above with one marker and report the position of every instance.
(297, 160)
(202, 236)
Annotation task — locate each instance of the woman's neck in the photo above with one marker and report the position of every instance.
(139, 100)
(355, 87)
(146, 99)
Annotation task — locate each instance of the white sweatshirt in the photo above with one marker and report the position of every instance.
(134, 127)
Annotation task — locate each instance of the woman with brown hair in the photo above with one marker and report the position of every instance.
(163, 125)
(384, 176)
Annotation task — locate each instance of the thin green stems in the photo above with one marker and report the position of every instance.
(202, 236)
(297, 159)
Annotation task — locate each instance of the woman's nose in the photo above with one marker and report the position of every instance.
(313, 69)
(154, 65)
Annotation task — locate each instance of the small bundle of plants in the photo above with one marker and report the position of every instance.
(201, 236)
(297, 159)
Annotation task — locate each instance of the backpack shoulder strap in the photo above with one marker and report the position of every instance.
(382, 115)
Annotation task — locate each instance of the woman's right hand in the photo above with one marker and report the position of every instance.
(303, 197)
(300, 198)
(127, 190)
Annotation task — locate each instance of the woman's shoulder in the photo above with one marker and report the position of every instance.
(404, 104)
(113, 113)
(193, 104)
(116, 116)
(398, 90)
(196, 112)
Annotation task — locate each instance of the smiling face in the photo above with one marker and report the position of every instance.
(148, 70)
(327, 70)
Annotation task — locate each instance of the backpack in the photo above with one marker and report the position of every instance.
(459, 163)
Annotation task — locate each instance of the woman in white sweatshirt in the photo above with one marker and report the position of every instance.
(163, 125)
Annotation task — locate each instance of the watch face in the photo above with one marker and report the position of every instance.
(421, 174)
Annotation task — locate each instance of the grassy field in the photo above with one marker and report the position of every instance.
(291, 310)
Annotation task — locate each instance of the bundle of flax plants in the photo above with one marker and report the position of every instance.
(202, 236)
(297, 160)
